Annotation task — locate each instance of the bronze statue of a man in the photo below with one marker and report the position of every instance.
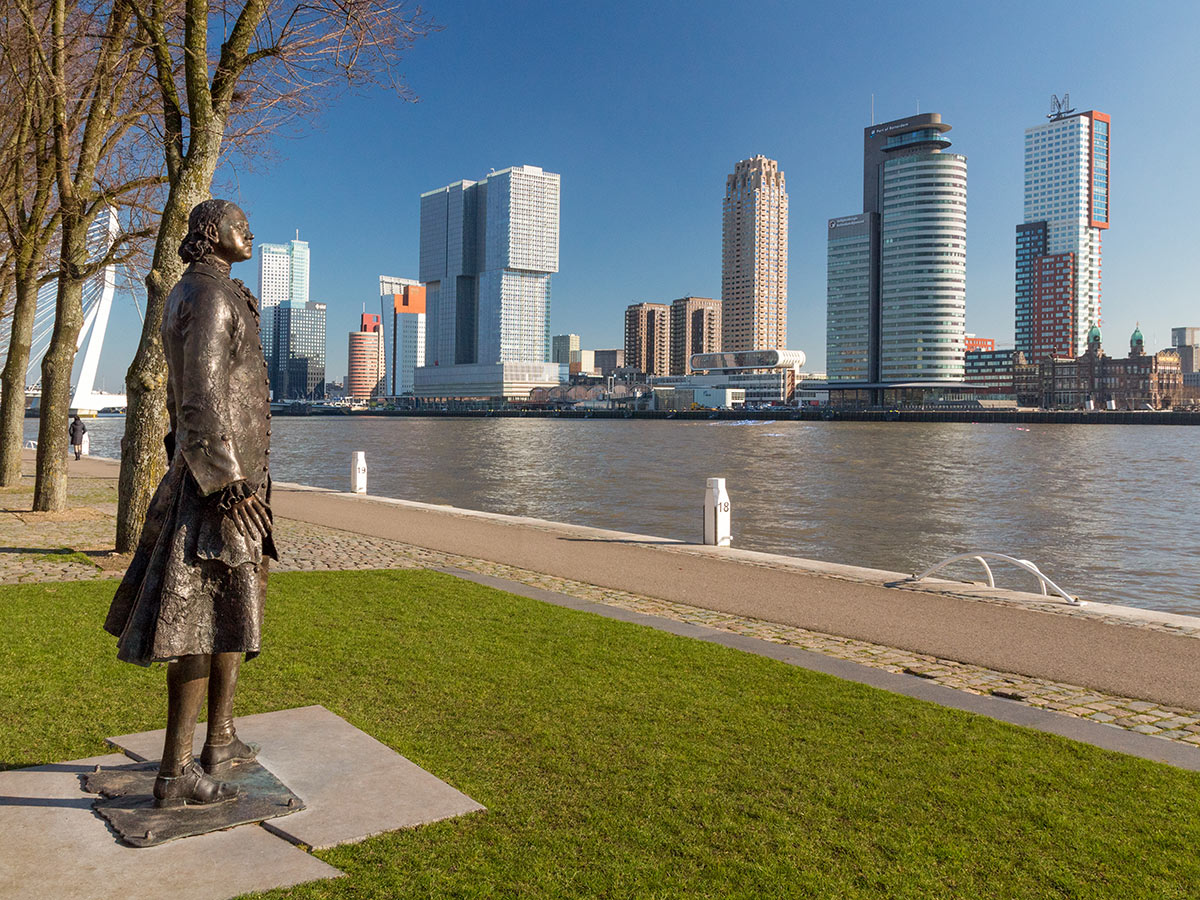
(193, 595)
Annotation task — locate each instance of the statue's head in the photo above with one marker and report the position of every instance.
(217, 228)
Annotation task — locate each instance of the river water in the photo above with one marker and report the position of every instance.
(1108, 512)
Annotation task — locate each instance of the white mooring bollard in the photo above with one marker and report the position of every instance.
(716, 513)
(358, 472)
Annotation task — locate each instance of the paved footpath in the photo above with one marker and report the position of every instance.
(1130, 669)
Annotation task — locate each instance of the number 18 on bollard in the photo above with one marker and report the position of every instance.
(358, 472)
(716, 513)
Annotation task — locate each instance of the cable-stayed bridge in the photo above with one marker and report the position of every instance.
(98, 293)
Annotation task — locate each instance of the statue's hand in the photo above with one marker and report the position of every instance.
(252, 518)
(250, 515)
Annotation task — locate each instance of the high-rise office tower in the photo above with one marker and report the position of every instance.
(1058, 245)
(299, 338)
(562, 346)
(754, 260)
(282, 278)
(405, 298)
(648, 337)
(1185, 337)
(365, 362)
(896, 289)
(695, 328)
(488, 249)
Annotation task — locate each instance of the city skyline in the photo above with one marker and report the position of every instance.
(626, 238)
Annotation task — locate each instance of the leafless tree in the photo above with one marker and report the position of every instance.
(274, 61)
(90, 62)
(28, 213)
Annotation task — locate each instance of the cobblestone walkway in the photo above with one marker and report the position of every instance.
(76, 545)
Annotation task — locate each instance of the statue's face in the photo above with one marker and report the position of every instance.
(235, 242)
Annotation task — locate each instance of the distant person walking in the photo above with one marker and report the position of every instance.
(77, 431)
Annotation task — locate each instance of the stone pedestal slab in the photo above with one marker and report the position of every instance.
(353, 786)
(56, 845)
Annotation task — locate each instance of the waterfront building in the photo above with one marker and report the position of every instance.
(1185, 337)
(769, 377)
(582, 362)
(648, 337)
(1095, 380)
(896, 272)
(282, 278)
(403, 301)
(608, 361)
(1186, 342)
(1189, 358)
(682, 397)
(365, 362)
(562, 346)
(991, 371)
(754, 257)
(299, 352)
(695, 328)
(974, 342)
(1058, 244)
(488, 249)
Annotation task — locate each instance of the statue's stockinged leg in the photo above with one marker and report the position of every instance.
(180, 780)
(222, 746)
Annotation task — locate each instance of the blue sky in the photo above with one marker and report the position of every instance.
(644, 108)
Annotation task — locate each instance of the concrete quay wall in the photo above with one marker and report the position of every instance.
(1126, 651)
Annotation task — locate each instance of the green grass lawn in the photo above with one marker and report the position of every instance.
(618, 761)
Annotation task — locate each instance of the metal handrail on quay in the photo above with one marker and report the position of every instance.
(1043, 581)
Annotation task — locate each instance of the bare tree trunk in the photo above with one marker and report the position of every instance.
(12, 380)
(143, 457)
(50, 486)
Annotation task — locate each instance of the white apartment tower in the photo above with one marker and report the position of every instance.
(403, 310)
(754, 257)
(1058, 245)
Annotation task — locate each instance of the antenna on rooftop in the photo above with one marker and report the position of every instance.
(872, 109)
(297, 234)
(918, 106)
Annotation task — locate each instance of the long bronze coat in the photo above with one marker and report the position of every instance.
(196, 584)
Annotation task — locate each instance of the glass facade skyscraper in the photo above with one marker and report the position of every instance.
(299, 334)
(488, 250)
(1058, 245)
(282, 278)
(896, 273)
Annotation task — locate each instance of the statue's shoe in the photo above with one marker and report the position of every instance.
(192, 788)
(218, 759)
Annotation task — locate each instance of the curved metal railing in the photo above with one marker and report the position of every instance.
(1043, 581)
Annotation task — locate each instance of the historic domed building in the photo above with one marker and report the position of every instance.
(1098, 381)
